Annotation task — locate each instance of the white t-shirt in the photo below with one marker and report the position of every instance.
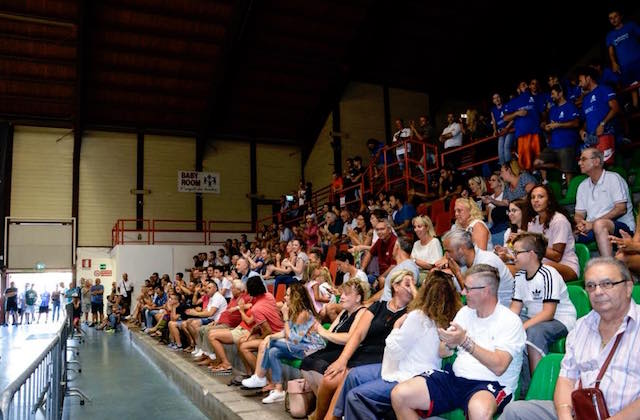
(305, 259)
(360, 275)
(501, 330)
(546, 285)
(505, 290)
(455, 130)
(597, 200)
(411, 349)
(224, 283)
(559, 231)
(498, 197)
(400, 136)
(431, 252)
(217, 301)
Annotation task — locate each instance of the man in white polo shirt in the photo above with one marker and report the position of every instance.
(603, 206)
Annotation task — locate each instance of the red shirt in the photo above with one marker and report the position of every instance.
(384, 251)
(264, 309)
(233, 319)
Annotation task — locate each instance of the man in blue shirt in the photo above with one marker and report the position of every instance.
(524, 111)
(623, 43)
(97, 302)
(501, 128)
(564, 120)
(404, 214)
(599, 107)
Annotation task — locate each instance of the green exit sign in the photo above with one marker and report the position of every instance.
(103, 266)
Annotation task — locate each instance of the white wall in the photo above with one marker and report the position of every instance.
(139, 261)
(97, 256)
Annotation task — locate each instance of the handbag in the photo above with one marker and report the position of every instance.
(300, 400)
(589, 403)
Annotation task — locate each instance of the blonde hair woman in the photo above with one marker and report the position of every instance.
(469, 218)
(477, 189)
(427, 249)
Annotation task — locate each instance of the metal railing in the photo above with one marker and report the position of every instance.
(41, 387)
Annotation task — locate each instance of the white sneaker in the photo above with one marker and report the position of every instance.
(198, 354)
(273, 397)
(254, 381)
(196, 350)
(212, 356)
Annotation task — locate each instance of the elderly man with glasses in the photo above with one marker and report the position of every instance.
(615, 318)
(490, 340)
(603, 205)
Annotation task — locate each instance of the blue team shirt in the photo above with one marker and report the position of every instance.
(44, 299)
(563, 137)
(595, 106)
(609, 78)
(626, 42)
(498, 115)
(543, 101)
(530, 123)
(97, 288)
(573, 92)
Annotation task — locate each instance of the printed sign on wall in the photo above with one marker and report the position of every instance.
(200, 182)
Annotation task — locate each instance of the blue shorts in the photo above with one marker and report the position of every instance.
(617, 227)
(449, 392)
(206, 321)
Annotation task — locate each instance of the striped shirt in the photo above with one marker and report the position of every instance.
(546, 285)
(584, 358)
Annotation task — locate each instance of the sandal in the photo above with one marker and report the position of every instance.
(188, 349)
(221, 371)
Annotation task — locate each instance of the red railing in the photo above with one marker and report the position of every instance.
(226, 226)
(450, 154)
(166, 231)
(123, 225)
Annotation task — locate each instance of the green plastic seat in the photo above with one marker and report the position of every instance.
(636, 293)
(580, 300)
(635, 187)
(556, 187)
(558, 346)
(619, 170)
(572, 190)
(583, 253)
(543, 381)
(294, 363)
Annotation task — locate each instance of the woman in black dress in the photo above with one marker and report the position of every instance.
(366, 344)
(351, 298)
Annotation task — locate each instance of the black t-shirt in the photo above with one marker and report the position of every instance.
(450, 185)
(12, 300)
(371, 349)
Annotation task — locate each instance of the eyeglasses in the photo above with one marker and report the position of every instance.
(605, 284)
(518, 252)
(473, 287)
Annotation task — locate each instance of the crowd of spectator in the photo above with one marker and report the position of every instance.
(374, 301)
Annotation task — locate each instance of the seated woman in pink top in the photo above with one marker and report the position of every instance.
(550, 220)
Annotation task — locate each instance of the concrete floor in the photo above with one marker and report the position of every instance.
(123, 384)
(20, 345)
